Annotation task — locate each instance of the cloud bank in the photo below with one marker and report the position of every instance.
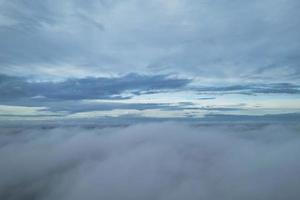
(13, 87)
(151, 161)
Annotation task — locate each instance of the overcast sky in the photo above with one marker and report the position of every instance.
(188, 59)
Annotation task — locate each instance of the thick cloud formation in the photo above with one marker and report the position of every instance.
(12, 87)
(152, 161)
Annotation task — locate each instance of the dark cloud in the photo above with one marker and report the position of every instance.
(13, 88)
(151, 161)
(87, 88)
(275, 88)
(66, 96)
(72, 106)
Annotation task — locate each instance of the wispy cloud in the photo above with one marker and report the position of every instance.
(192, 37)
(252, 89)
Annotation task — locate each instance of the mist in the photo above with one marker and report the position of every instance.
(163, 161)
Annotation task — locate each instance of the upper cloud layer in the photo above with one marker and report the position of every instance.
(224, 40)
(215, 47)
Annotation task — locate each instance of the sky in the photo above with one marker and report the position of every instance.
(149, 60)
(149, 99)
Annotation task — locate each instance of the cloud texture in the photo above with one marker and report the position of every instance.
(151, 161)
(87, 88)
(222, 40)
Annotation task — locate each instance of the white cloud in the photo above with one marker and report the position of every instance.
(151, 161)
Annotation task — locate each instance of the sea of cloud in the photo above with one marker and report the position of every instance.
(158, 161)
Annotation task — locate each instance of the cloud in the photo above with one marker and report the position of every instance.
(143, 93)
(12, 87)
(87, 88)
(212, 40)
(285, 117)
(251, 89)
(151, 161)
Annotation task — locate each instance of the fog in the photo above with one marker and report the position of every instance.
(158, 161)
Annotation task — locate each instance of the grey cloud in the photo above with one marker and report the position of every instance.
(87, 88)
(12, 87)
(66, 107)
(109, 88)
(65, 96)
(76, 107)
(275, 88)
(236, 38)
(48, 32)
(223, 40)
(152, 161)
(279, 118)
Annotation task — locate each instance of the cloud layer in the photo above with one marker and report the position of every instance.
(143, 95)
(14, 88)
(151, 161)
(222, 40)
(87, 88)
(55, 54)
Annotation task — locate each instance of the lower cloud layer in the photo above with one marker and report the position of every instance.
(163, 161)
